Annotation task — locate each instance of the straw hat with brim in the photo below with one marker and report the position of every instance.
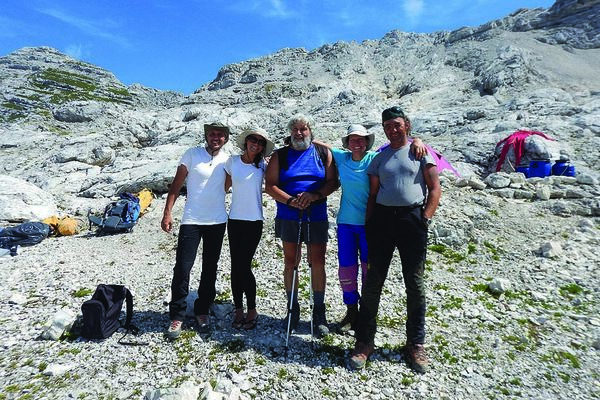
(360, 131)
(241, 139)
(219, 127)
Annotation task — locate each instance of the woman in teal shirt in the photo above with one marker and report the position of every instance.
(352, 164)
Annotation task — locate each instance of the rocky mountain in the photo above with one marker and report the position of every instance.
(513, 288)
(465, 90)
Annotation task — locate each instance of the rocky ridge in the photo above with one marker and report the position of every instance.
(512, 281)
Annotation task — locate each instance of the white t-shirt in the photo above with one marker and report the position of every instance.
(205, 203)
(246, 187)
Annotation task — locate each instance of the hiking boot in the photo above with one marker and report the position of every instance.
(174, 329)
(361, 354)
(295, 317)
(417, 357)
(320, 327)
(350, 319)
(203, 323)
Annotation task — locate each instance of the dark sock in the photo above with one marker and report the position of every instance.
(319, 297)
(295, 297)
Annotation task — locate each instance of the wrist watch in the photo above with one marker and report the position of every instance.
(426, 221)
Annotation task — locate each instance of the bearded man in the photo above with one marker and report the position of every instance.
(300, 177)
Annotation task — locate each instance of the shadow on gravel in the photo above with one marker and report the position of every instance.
(267, 340)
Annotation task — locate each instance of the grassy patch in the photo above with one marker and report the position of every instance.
(81, 292)
(493, 250)
(223, 297)
(390, 322)
(453, 302)
(562, 357)
(232, 346)
(570, 290)
(13, 106)
(449, 254)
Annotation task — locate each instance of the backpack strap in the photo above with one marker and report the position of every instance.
(282, 155)
(322, 150)
(130, 328)
(129, 303)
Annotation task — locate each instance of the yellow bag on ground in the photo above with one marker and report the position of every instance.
(52, 221)
(68, 226)
(63, 226)
(145, 197)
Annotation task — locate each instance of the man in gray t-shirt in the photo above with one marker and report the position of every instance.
(401, 179)
(403, 196)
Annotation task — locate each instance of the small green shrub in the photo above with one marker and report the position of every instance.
(82, 292)
(450, 255)
(571, 289)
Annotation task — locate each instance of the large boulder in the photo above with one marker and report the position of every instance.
(21, 201)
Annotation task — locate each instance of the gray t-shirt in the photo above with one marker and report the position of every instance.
(401, 180)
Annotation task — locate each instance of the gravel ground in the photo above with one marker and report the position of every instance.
(537, 337)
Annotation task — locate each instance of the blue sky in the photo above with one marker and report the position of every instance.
(180, 45)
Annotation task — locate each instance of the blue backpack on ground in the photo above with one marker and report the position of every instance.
(119, 216)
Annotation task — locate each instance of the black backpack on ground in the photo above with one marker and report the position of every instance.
(26, 234)
(101, 313)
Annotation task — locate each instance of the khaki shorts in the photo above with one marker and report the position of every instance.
(287, 231)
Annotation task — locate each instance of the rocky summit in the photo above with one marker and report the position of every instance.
(512, 272)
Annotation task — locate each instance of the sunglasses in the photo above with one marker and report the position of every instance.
(255, 140)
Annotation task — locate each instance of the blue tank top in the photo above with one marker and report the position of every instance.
(305, 173)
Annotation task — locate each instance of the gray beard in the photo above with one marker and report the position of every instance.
(301, 144)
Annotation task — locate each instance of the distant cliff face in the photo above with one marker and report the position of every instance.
(464, 90)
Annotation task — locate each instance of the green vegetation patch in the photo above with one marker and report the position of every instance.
(82, 292)
(449, 254)
(562, 357)
(68, 78)
(64, 87)
(570, 290)
(13, 106)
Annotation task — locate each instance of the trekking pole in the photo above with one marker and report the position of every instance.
(291, 300)
(309, 256)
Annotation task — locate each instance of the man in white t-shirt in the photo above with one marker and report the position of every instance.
(204, 217)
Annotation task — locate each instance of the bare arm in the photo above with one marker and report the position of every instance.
(417, 147)
(373, 190)
(272, 183)
(434, 189)
(167, 220)
(321, 143)
(227, 182)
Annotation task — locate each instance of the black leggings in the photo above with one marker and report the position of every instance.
(187, 247)
(244, 237)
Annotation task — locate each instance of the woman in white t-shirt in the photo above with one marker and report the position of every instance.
(245, 175)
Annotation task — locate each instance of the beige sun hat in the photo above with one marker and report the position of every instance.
(241, 139)
(218, 126)
(360, 130)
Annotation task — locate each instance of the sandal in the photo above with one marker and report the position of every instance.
(239, 322)
(250, 324)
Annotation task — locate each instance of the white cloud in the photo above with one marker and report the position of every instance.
(413, 8)
(10, 28)
(75, 51)
(98, 29)
(266, 8)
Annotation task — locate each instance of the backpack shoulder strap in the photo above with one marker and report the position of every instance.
(130, 328)
(322, 150)
(282, 157)
(129, 303)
